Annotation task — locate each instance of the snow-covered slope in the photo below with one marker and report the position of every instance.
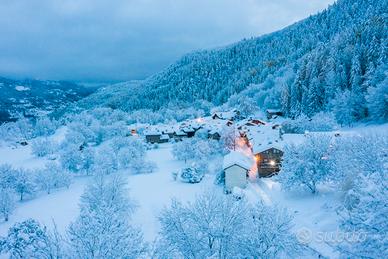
(33, 97)
(305, 48)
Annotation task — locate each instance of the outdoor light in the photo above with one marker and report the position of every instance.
(272, 162)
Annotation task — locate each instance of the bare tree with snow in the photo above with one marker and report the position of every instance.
(103, 229)
(7, 202)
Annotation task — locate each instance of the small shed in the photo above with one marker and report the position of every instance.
(236, 167)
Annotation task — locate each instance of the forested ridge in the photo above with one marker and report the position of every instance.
(338, 55)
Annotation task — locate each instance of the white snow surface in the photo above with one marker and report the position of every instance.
(238, 158)
(21, 88)
(154, 191)
(151, 192)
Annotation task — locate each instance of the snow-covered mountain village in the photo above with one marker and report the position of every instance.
(272, 147)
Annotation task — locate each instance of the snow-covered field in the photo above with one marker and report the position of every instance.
(154, 191)
(150, 191)
(314, 213)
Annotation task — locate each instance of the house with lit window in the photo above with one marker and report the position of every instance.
(267, 147)
(268, 159)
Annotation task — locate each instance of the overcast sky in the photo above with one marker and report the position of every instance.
(113, 40)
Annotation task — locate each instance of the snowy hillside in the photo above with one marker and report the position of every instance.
(32, 98)
(338, 54)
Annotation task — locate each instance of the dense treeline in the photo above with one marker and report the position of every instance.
(339, 54)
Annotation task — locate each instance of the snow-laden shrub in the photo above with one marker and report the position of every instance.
(141, 166)
(342, 109)
(191, 175)
(42, 147)
(220, 178)
(202, 166)
(124, 157)
(29, 239)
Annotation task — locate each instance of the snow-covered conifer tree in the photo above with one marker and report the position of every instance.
(377, 100)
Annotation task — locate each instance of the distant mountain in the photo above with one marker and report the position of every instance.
(317, 50)
(33, 97)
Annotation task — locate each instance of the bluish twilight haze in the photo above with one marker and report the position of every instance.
(97, 41)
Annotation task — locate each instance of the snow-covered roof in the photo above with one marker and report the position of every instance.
(225, 115)
(263, 138)
(151, 131)
(188, 129)
(213, 131)
(164, 136)
(263, 147)
(273, 110)
(180, 133)
(239, 159)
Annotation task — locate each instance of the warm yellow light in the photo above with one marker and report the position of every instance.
(272, 163)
